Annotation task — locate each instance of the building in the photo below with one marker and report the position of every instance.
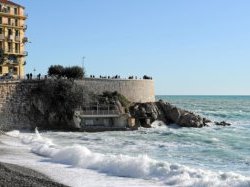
(93, 117)
(12, 39)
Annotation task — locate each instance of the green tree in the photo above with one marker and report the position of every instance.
(74, 72)
(56, 70)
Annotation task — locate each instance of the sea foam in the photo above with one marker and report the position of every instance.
(141, 166)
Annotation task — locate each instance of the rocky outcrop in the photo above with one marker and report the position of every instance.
(146, 113)
(223, 123)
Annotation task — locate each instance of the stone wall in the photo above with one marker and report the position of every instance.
(15, 105)
(15, 102)
(133, 90)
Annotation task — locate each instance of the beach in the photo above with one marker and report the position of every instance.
(160, 156)
(14, 175)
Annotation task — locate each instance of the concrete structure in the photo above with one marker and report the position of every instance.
(12, 38)
(96, 117)
(133, 90)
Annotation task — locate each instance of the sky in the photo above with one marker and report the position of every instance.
(189, 47)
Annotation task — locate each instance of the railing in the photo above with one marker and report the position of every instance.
(2, 37)
(17, 38)
(94, 109)
(25, 53)
(5, 10)
(11, 37)
(99, 112)
(25, 40)
(24, 27)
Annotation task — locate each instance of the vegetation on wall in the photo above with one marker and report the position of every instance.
(55, 102)
(123, 100)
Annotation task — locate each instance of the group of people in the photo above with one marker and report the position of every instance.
(30, 76)
(119, 77)
(106, 77)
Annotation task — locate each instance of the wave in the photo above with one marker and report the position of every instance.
(141, 166)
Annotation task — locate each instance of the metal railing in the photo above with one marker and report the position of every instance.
(93, 109)
(99, 112)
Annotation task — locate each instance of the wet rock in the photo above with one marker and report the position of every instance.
(167, 113)
(222, 123)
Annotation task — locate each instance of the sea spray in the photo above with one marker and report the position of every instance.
(127, 166)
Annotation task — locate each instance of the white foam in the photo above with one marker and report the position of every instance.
(141, 167)
(14, 133)
(158, 124)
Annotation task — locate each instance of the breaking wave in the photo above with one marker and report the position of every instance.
(141, 166)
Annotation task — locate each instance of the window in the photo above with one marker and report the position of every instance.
(17, 33)
(17, 48)
(1, 70)
(1, 30)
(10, 70)
(15, 70)
(1, 45)
(15, 11)
(9, 47)
(16, 22)
(8, 9)
(9, 21)
(9, 32)
(1, 20)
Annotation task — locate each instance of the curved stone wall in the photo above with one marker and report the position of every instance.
(15, 97)
(133, 90)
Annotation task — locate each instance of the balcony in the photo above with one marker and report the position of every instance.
(9, 51)
(18, 38)
(24, 53)
(5, 10)
(24, 27)
(14, 52)
(2, 37)
(25, 40)
(11, 37)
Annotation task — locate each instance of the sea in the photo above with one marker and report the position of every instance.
(212, 156)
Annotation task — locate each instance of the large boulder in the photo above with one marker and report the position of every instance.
(168, 113)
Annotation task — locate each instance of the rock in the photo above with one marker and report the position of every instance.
(222, 123)
(167, 113)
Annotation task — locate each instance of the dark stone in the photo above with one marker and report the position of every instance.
(222, 123)
(167, 113)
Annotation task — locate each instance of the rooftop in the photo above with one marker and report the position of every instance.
(10, 3)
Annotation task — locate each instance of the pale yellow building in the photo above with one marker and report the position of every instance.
(12, 39)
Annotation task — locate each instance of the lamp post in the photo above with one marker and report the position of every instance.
(34, 72)
(83, 59)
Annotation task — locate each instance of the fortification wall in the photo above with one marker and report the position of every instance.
(15, 97)
(15, 104)
(133, 90)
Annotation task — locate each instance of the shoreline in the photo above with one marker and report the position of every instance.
(15, 175)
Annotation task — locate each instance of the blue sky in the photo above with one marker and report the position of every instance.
(189, 47)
